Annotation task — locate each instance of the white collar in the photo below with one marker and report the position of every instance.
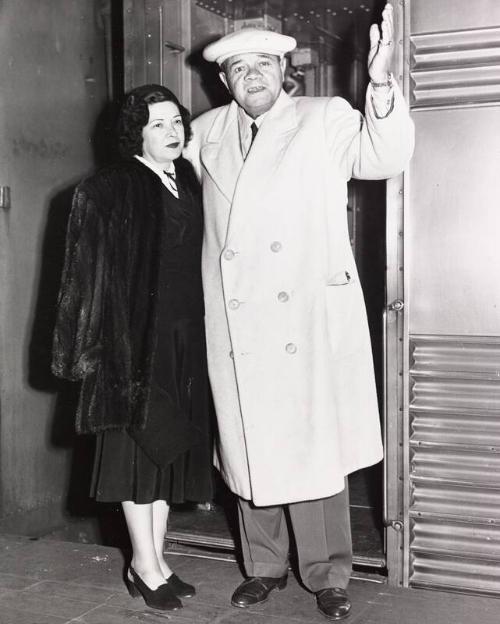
(246, 121)
(160, 171)
(244, 129)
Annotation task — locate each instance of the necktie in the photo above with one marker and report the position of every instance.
(254, 128)
(172, 184)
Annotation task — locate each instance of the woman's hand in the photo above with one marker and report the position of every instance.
(381, 46)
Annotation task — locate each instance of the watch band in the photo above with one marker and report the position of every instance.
(387, 83)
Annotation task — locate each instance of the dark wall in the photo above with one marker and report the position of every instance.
(55, 84)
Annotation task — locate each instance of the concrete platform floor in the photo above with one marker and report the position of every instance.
(44, 581)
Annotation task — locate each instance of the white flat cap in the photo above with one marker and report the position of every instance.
(249, 40)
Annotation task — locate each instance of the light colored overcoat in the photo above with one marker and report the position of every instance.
(289, 351)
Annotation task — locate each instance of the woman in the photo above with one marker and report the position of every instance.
(130, 328)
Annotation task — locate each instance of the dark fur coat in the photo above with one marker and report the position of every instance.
(105, 332)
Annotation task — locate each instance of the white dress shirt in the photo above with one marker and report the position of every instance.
(244, 125)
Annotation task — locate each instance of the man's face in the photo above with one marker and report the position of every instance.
(254, 80)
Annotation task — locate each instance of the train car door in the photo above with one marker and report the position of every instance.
(446, 302)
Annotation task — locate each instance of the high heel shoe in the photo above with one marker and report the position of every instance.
(162, 598)
(179, 587)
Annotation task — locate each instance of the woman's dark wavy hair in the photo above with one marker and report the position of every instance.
(134, 115)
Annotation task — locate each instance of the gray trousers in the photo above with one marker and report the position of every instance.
(322, 532)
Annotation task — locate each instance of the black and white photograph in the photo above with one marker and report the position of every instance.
(249, 321)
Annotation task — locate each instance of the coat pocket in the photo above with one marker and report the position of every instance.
(341, 278)
(346, 315)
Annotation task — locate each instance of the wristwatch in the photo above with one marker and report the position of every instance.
(387, 83)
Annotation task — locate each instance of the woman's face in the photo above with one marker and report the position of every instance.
(163, 135)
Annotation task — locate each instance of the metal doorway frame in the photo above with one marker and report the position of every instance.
(152, 54)
(396, 345)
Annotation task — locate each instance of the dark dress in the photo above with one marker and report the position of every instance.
(122, 471)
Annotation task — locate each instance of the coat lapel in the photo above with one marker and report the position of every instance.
(221, 155)
(268, 150)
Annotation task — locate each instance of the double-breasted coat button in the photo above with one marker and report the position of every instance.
(283, 297)
(291, 348)
(231, 355)
(276, 246)
(228, 254)
(234, 304)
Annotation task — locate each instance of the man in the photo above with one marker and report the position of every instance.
(289, 352)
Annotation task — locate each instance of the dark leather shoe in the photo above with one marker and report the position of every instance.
(162, 598)
(179, 587)
(333, 603)
(255, 590)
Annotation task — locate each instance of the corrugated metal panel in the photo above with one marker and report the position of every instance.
(460, 67)
(454, 509)
(456, 573)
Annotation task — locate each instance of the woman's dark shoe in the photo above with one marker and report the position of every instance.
(180, 589)
(162, 598)
(255, 590)
(333, 603)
